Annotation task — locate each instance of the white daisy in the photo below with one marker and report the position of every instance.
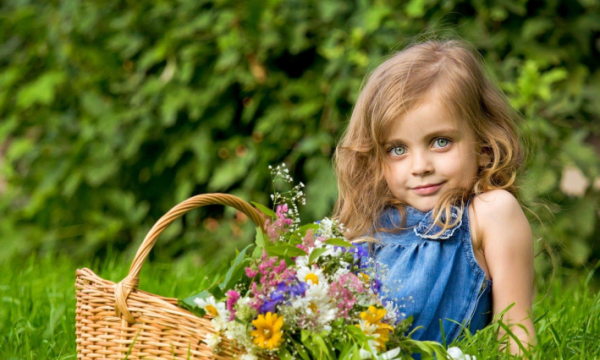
(300, 302)
(301, 261)
(311, 275)
(318, 293)
(213, 308)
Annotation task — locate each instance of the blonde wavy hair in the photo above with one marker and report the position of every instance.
(454, 72)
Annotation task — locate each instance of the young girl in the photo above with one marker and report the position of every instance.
(426, 174)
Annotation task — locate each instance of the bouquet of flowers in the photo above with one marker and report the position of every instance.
(305, 292)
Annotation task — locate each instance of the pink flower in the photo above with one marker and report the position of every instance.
(343, 291)
(232, 298)
(321, 238)
(250, 272)
(352, 282)
(272, 230)
(309, 239)
(272, 273)
(280, 225)
(303, 247)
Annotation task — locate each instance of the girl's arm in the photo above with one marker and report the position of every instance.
(508, 250)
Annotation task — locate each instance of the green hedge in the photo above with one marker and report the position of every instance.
(112, 112)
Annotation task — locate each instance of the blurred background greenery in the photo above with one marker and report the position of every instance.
(112, 112)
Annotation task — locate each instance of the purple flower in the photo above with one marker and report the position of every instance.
(359, 253)
(298, 289)
(376, 285)
(269, 305)
(282, 292)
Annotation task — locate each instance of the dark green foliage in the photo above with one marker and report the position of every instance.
(112, 113)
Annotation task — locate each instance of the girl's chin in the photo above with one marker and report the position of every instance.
(424, 206)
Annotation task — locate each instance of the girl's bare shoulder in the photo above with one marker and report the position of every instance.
(497, 213)
(495, 203)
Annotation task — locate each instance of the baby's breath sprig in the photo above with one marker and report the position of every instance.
(291, 197)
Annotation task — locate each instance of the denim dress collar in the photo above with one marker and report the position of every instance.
(423, 223)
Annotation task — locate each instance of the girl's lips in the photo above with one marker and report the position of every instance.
(428, 190)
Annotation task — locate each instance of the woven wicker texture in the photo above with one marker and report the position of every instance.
(111, 317)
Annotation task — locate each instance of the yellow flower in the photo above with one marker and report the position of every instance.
(373, 317)
(268, 334)
(384, 335)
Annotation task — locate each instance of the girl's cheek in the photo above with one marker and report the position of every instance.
(396, 174)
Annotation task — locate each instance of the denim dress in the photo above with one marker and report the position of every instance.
(433, 278)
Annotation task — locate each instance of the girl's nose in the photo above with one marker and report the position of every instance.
(421, 164)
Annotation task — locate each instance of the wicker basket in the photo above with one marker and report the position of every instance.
(118, 321)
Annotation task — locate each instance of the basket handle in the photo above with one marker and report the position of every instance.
(131, 281)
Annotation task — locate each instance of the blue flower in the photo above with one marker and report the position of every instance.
(268, 306)
(376, 285)
(361, 256)
(282, 292)
(359, 253)
(296, 289)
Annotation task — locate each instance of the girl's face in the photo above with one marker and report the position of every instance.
(427, 154)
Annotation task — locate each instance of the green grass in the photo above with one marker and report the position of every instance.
(37, 300)
(567, 323)
(37, 303)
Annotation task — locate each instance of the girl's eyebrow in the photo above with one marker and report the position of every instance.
(442, 132)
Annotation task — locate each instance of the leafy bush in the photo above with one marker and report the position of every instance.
(114, 112)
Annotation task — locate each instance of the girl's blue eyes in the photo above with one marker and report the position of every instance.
(401, 150)
(393, 150)
(442, 140)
